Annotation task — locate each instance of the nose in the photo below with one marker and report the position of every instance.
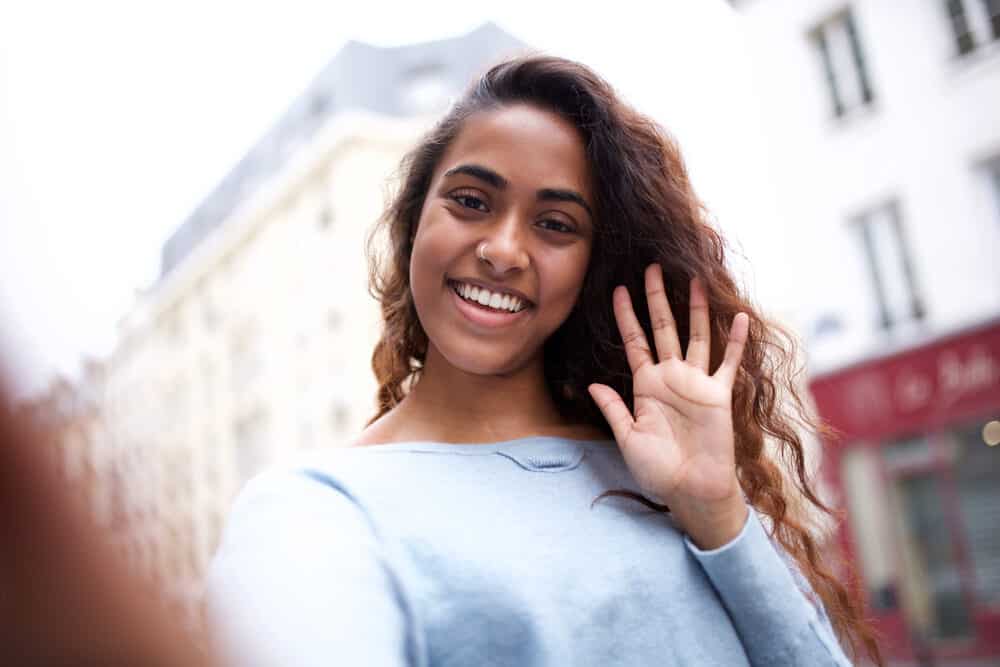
(505, 250)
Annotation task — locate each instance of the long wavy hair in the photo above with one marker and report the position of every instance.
(646, 211)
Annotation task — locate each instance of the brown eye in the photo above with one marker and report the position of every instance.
(555, 226)
(470, 201)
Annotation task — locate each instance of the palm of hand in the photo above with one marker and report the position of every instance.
(679, 444)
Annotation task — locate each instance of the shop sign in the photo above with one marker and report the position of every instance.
(937, 383)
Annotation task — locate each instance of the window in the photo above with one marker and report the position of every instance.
(212, 474)
(992, 171)
(977, 478)
(334, 320)
(960, 26)
(973, 23)
(174, 407)
(325, 217)
(306, 436)
(890, 268)
(209, 312)
(993, 14)
(209, 315)
(246, 356)
(175, 327)
(340, 416)
(934, 588)
(207, 380)
(251, 442)
(840, 53)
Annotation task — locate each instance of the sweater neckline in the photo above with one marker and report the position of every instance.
(539, 453)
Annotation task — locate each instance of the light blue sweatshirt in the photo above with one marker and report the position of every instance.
(444, 555)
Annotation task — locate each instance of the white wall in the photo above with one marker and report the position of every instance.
(934, 118)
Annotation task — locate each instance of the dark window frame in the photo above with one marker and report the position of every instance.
(835, 86)
(992, 8)
(916, 309)
(961, 32)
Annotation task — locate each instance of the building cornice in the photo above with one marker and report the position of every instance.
(256, 210)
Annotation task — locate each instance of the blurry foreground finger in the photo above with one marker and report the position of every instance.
(68, 597)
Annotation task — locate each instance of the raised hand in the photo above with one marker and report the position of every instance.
(679, 445)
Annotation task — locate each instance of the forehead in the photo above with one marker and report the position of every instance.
(529, 147)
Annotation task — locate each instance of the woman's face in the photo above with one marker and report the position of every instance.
(517, 179)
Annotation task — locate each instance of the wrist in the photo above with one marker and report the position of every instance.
(710, 526)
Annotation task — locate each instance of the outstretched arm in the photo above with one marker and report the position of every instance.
(679, 445)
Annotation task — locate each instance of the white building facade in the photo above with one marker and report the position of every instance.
(883, 125)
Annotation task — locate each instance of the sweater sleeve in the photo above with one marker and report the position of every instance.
(300, 581)
(776, 622)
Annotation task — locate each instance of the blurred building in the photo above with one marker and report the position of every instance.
(256, 340)
(883, 121)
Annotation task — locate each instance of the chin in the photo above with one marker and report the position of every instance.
(485, 364)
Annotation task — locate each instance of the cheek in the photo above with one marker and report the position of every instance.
(428, 254)
(423, 269)
(566, 279)
(435, 248)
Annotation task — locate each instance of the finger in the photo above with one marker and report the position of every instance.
(738, 334)
(662, 318)
(701, 337)
(636, 346)
(56, 562)
(614, 410)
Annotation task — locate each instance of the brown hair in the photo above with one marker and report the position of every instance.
(646, 211)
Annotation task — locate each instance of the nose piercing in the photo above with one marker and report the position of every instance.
(481, 252)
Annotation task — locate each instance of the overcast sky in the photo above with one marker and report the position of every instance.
(117, 118)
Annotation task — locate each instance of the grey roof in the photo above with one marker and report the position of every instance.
(360, 76)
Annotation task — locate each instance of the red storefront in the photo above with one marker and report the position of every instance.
(917, 466)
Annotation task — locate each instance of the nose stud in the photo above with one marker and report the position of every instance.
(481, 253)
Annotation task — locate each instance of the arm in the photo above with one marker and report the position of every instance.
(678, 441)
(777, 624)
(300, 581)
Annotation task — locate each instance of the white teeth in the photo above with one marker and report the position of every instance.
(485, 297)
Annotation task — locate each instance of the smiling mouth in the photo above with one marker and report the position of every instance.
(498, 302)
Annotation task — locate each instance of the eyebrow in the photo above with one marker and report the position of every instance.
(480, 172)
(551, 194)
(494, 179)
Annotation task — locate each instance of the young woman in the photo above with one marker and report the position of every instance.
(560, 328)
